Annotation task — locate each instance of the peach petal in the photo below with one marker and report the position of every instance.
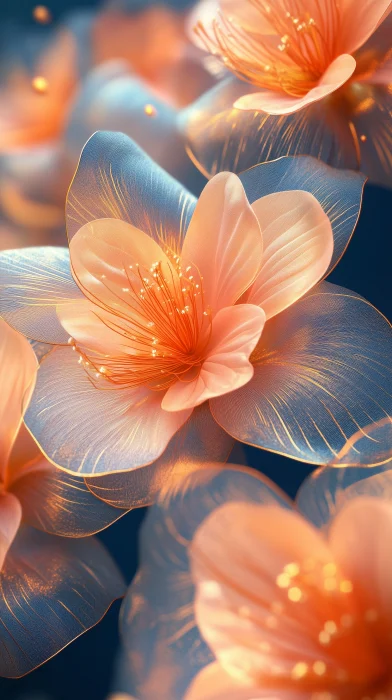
(359, 21)
(339, 71)
(298, 247)
(213, 683)
(223, 241)
(18, 367)
(10, 518)
(235, 333)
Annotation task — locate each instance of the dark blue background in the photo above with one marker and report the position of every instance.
(84, 670)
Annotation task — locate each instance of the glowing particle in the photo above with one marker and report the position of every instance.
(331, 627)
(283, 581)
(319, 668)
(330, 584)
(150, 110)
(300, 670)
(324, 637)
(292, 569)
(40, 84)
(330, 569)
(294, 594)
(42, 14)
(346, 586)
(363, 138)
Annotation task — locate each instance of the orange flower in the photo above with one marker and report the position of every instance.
(43, 578)
(324, 68)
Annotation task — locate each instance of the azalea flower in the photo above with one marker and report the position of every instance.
(167, 314)
(243, 594)
(131, 79)
(53, 589)
(310, 78)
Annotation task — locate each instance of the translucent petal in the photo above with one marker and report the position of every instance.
(199, 441)
(18, 367)
(33, 282)
(220, 137)
(112, 99)
(115, 179)
(213, 683)
(358, 22)
(298, 247)
(89, 429)
(369, 447)
(279, 103)
(224, 241)
(322, 372)
(53, 590)
(57, 502)
(163, 647)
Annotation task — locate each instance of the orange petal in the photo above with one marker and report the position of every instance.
(213, 683)
(96, 430)
(338, 72)
(223, 241)
(234, 335)
(18, 367)
(10, 517)
(298, 246)
(359, 21)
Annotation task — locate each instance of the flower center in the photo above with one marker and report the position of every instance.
(163, 327)
(292, 59)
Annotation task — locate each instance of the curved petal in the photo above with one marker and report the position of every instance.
(277, 103)
(112, 99)
(33, 283)
(59, 503)
(213, 683)
(10, 518)
(52, 591)
(115, 179)
(235, 333)
(163, 646)
(224, 241)
(220, 137)
(358, 22)
(322, 372)
(199, 441)
(18, 368)
(372, 126)
(89, 430)
(298, 247)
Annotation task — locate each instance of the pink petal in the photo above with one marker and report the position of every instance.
(339, 71)
(235, 333)
(213, 683)
(298, 247)
(359, 21)
(10, 517)
(18, 367)
(223, 241)
(361, 539)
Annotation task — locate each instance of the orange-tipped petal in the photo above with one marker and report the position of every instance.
(18, 367)
(318, 377)
(34, 282)
(89, 429)
(224, 241)
(298, 247)
(57, 502)
(115, 179)
(53, 590)
(276, 103)
(10, 518)
(234, 335)
(360, 21)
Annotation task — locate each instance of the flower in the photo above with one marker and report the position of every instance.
(169, 313)
(317, 81)
(52, 588)
(261, 597)
(130, 79)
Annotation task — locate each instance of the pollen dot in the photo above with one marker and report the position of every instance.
(346, 587)
(363, 138)
(324, 637)
(319, 668)
(150, 110)
(330, 569)
(300, 670)
(294, 594)
(331, 627)
(283, 581)
(41, 14)
(40, 84)
(330, 583)
(292, 569)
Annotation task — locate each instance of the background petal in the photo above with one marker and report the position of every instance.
(358, 23)
(163, 649)
(52, 591)
(59, 503)
(219, 137)
(18, 367)
(89, 430)
(224, 241)
(200, 440)
(115, 179)
(10, 517)
(322, 372)
(298, 247)
(33, 282)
